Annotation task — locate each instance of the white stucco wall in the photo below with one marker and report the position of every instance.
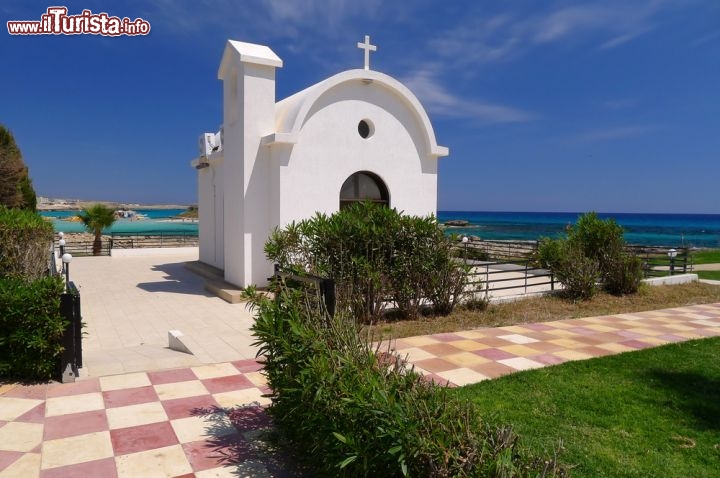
(329, 149)
(284, 162)
(210, 214)
(248, 74)
(206, 217)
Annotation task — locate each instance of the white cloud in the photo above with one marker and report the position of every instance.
(707, 38)
(265, 19)
(477, 40)
(566, 21)
(480, 38)
(439, 101)
(622, 39)
(330, 15)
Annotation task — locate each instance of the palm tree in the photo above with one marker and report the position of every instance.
(96, 218)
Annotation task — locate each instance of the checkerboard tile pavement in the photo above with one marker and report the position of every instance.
(205, 421)
(462, 358)
(209, 421)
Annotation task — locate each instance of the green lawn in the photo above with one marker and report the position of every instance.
(710, 256)
(652, 413)
(713, 275)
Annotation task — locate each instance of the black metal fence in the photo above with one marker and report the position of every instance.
(324, 287)
(508, 251)
(661, 261)
(512, 268)
(71, 359)
(133, 241)
(486, 277)
(84, 247)
(512, 265)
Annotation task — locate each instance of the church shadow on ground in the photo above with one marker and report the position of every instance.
(178, 280)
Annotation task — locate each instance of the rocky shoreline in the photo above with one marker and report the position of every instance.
(456, 223)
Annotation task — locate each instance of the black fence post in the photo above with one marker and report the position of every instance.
(327, 289)
(71, 357)
(275, 282)
(77, 317)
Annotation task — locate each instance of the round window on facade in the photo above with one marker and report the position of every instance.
(366, 128)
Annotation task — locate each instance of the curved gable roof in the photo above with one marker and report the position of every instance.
(292, 112)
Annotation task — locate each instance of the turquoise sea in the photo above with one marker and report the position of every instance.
(672, 230)
(157, 222)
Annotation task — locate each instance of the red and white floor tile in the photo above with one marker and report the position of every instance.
(209, 421)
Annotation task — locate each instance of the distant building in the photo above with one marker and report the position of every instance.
(358, 135)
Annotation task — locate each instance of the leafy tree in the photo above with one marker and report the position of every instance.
(24, 241)
(16, 189)
(96, 218)
(28, 193)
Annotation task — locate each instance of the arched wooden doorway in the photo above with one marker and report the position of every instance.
(364, 186)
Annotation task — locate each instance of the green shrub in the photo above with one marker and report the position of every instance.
(31, 327)
(549, 252)
(445, 282)
(624, 273)
(594, 251)
(578, 273)
(596, 238)
(25, 240)
(355, 411)
(376, 255)
(475, 302)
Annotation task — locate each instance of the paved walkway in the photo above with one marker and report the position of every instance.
(130, 303)
(462, 358)
(185, 422)
(144, 410)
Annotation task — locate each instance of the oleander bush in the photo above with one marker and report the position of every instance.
(376, 255)
(25, 240)
(550, 252)
(31, 327)
(623, 273)
(579, 273)
(593, 253)
(356, 411)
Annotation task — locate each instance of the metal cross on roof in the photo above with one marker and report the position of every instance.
(368, 48)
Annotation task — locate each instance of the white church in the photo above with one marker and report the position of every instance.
(359, 135)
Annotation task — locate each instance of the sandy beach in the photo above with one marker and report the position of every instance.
(73, 204)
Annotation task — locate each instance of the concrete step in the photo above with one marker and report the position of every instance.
(205, 270)
(226, 291)
(215, 282)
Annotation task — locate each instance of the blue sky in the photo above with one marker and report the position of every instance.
(611, 106)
